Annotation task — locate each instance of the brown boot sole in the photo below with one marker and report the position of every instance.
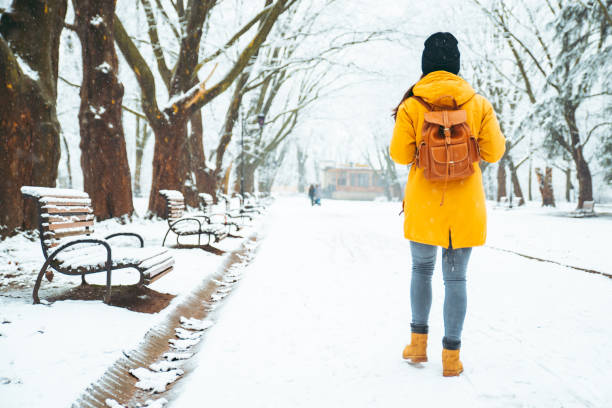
(453, 373)
(416, 359)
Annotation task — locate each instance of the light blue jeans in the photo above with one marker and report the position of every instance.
(454, 266)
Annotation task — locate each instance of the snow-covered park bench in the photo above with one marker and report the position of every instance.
(587, 210)
(239, 212)
(189, 226)
(66, 224)
(248, 204)
(206, 206)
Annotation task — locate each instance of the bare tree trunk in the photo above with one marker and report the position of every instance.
(247, 178)
(585, 182)
(530, 177)
(168, 174)
(501, 179)
(546, 188)
(29, 129)
(391, 171)
(302, 156)
(516, 185)
(197, 161)
(106, 173)
(568, 183)
(583, 173)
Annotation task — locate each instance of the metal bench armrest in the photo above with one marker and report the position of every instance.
(205, 217)
(130, 234)
(173, 224)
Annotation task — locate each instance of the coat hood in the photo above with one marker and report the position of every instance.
(442, 83)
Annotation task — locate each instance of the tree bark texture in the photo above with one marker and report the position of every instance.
(169, 172)
(246, 179)
(106, 173)
(546, 188)
(568, 184)
(516, 184)
(197, 159)
(501, 179)
(583, 173)
(29, 129)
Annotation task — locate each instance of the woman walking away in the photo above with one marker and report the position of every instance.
(443, 128)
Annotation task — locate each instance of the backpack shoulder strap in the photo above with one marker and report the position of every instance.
(422, 102)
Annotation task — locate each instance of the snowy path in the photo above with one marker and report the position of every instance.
(322, 315)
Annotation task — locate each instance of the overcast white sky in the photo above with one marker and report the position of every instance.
(343, 125)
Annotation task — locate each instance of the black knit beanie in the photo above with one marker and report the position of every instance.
(440, 54)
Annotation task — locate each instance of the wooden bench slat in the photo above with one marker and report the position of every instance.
(159, 275)
(64, 203)
(157, 260)
(69, 218)
(64, 209)
(71, 233)
(55, 226)
(151, 272)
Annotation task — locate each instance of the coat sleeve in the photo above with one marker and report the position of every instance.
(491, 141)
(403, 142)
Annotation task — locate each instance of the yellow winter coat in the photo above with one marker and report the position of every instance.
(462, 216)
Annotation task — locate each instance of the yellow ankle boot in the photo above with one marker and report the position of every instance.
(451, 365)
(416, 351)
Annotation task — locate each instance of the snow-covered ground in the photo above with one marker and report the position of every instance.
(322, 315)
(49, 354)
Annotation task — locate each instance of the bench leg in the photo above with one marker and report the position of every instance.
(107, 297)
(166, 236)
(142, 278)
(83, 281)
(38, 282)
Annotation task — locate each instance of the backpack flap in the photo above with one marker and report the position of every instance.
(446, 118)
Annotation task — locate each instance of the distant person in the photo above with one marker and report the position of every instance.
(444, 202)
(311, 194)
(317, 194)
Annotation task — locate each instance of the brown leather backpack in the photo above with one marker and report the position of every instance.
(447, 149)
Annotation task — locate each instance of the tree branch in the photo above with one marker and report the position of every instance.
(168, 21)
(140, 115)
(164, 72)
(516, 167)
(593, 129)
(145, 78)
(232, 40)
(199, 96)
(605, 11)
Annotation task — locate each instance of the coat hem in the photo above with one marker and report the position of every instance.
(444, 244)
